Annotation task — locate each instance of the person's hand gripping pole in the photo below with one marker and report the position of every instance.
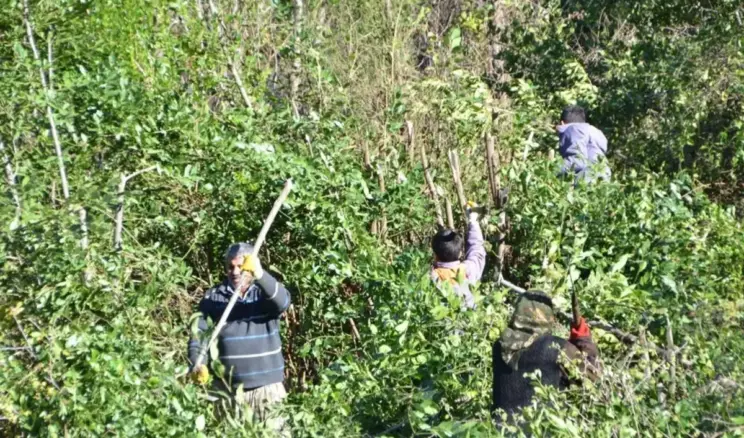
(252, 265)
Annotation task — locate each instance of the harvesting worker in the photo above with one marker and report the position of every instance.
(528, 345)
(249, 345)
(582, 146)
(448, 269)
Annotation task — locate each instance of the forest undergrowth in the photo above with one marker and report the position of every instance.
(219, 102)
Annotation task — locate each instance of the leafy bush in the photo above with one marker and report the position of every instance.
(93, 338)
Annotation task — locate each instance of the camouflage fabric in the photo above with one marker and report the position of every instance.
(532, 318)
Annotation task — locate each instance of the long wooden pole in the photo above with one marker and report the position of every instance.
(234, 298)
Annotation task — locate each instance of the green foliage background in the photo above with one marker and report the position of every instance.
(93, 339)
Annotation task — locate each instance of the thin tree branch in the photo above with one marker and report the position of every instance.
(671, 358)
(298, 14)
(11, 178)
(50, 111)
(222, 31)
(49, 60)
(52, 124)
(455, 167)
(432, 187)
(120, 204)
(23, 333)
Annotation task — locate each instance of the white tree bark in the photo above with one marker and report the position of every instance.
(120, 204)
(10, 177)
(296, 64)
(222, 31)
(52, 125)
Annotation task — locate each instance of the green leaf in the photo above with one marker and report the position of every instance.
(402, 327)
(620, 264)
(455, 38)
(200, 422)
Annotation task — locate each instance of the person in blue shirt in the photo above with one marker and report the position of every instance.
(582, 146)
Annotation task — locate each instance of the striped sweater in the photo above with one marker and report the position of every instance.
(249, 344)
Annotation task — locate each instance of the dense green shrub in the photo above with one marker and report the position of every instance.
(93, 339)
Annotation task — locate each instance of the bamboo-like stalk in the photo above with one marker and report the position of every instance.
(493, 163)
(432, 188)
(450, 216)
(455, 167)
(494, 179)
(49, 110)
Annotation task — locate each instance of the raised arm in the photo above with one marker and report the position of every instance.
(475, 252)
(276, 296)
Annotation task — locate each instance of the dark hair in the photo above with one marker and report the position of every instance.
(573, 114)
(447, 245)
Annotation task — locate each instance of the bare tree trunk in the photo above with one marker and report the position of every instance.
(10, 177)
(296, 64)
(52, 125)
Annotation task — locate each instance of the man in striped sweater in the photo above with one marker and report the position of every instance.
(249, 345)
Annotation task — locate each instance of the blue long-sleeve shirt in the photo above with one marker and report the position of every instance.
(582, 146)
(249, 345)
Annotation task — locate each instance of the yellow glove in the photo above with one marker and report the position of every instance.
(200, 375)
(252, 264)
(472, 214)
